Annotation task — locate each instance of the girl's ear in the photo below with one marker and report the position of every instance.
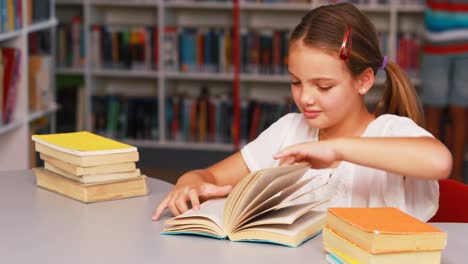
(365, 81)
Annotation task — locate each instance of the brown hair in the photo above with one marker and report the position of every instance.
(325, 27)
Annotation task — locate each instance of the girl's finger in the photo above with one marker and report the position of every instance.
(161, 208)
(172, 206)
(181, 201)
(193, 194)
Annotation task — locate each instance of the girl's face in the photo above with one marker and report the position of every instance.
(322, 87)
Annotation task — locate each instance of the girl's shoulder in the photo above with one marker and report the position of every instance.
(394, 126)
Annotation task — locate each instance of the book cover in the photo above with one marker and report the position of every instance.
(82, 144)
(386, 229)
(353, 254)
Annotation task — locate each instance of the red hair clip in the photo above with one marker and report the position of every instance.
(346, 45)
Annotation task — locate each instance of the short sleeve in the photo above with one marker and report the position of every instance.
(405, 127)
(258, 154)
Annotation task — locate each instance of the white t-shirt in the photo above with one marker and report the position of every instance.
(353, 185)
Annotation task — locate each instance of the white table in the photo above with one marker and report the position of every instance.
(38, 226)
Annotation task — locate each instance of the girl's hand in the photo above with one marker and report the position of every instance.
(317, 154)
(177, 199)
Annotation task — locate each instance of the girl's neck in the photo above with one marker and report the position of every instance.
(353, 125)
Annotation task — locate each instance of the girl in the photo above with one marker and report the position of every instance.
(373, 159)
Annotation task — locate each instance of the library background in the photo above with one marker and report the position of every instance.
(188, 82)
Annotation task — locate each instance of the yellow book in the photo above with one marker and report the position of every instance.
(91, 192)
(381, 230)
(263, 207)
(85, 149)
(353, 254)
(94, 178)
(11, 15)
(82, 144)
(79, 171)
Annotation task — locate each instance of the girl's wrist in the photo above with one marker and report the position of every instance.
(336, 145)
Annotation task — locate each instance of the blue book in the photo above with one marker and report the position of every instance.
(263, 208)
(332, 259)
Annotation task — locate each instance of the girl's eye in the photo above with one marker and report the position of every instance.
(295, 83)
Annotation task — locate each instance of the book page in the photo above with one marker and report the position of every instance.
(293, 229)
(210, 210)
(280, 207)
(259, 183)
(285, 215)
(284, 186)
(305, 227)
(269, 203)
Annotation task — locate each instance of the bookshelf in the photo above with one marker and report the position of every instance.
(37, 19)
(162, 81)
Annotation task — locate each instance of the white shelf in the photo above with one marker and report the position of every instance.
(411, 8)
(69, 71)
(31, 28)
(416, 81)
(265, 78)
(199, 5)
(41, 25)
(69, 2)
(275, 7)
(125, 73)
(377, 8)
(36, 115)
(11, 126)
(131, 3)
(200, 76)
(179, 145)
(10, 35)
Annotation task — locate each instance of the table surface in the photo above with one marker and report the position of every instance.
(39, 226)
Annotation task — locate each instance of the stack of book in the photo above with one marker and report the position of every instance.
(380, 235)
(88, 167)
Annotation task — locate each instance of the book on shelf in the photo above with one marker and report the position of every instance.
(125, 47)
(91, 192)
(11, 60)
(381, 235)
(71, 43)
(75, 148)
(40, 91)
(11, 16)
(263, 207)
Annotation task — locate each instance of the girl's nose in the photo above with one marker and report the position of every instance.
(307, 96)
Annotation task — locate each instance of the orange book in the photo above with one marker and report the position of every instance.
(384, 230)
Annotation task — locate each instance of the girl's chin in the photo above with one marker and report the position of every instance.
(316, 123)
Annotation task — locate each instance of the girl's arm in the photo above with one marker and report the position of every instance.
(215, 181)
(421, 157)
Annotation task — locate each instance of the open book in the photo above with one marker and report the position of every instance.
(263, 207)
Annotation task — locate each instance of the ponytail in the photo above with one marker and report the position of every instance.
(400, 97)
